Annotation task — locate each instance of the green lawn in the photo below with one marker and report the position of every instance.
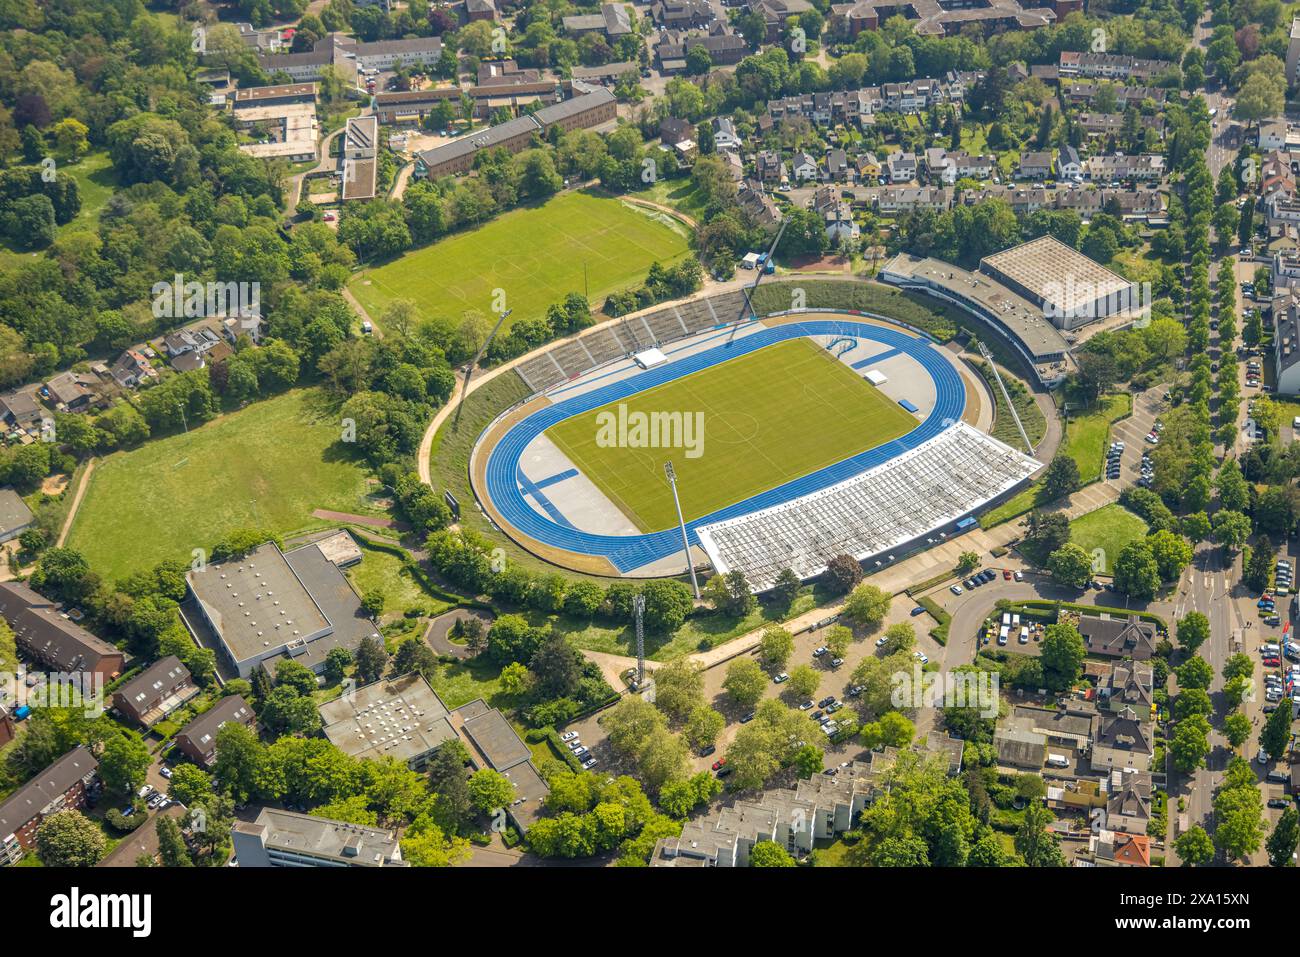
(537, 255)
(97, 180)
(1086, 436)
(269, 465)
(402, 593)
(1109, 529)
(811, 411)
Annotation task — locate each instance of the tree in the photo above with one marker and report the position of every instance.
(124, 763)
(967, 562)
(336, 664)
(1195, 672)
(1062, 656)
(70, 839)
(1193, 629)
(1061, 477)
(373, 602)
(842, 573)
(1231, 529)
(775, 646)
(1136, 572)
(730, 594)
(1070, 565)
(804, 681)
(1276, 734)
(1236, 728)
(893, 729)
(679, 688)
(866, 605)
(449, 781)
(371, 660)
(1281, 845)
(1034, 843)
(786, 589)
(703, 727)
(1171, 551)
(1238, 819)
(490, 790)
(770, 854)
(171, 843)
(1190, 744)
(189, 784)
(667, 603)
(1194, 847)
(745, 681)
(1048, 530)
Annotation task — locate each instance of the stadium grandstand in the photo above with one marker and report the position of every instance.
(1014, 318)
(883, 510)
(634, 334)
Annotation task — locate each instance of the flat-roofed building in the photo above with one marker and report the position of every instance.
(1293, 53)
(360, 157)
(401, 718)
(52, 638)
(268, 604)
(288, 839)
(1015, 318)
(411, 106)
(278, 95)
(1070, 289)
(59, 787)
(198, 739)
(404, 718)
(156, 692)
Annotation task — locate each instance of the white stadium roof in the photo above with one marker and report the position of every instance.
(907, 498)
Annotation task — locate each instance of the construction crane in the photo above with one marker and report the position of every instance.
(749, 305)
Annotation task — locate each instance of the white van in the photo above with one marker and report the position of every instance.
(1015, 620)
(1002, 635)
(1006, 618)
(1024, 634)
(1057, 761)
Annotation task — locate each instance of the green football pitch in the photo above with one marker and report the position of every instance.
(768, 417)
(538, 255)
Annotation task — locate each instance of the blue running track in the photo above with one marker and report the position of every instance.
(627, 552)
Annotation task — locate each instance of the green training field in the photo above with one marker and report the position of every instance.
(538, 255)
(267, 466)
(1109, 529)
(811, 411)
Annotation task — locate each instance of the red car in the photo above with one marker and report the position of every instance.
(1006, 574)
(1272, 662)
(717, 765)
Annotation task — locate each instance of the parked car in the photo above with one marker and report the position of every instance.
(580, 751)
(955, 589)
(807, 705)
(781, 678)
(588, 764)
(1279, 803)
(569, 736)
(166, 772)
(818, 652)
(718, 764)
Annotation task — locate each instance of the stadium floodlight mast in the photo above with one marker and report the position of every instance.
(771, 251)
(469, 369)
(681, 522)
(638, 607)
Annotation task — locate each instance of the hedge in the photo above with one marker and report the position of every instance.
(940, 632)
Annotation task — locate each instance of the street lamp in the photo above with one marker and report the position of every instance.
(681, 522)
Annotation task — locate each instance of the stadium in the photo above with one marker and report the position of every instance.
(794, 437)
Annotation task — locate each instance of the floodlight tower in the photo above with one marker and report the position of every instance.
(469, 369)
(681, 522)
(638, 607)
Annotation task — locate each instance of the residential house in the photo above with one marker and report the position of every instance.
(901, 167)
(61, 786)
(868, 167)
(1272, 134)
(132, 368)
(770, 168)
(892, 200)
(804, 167)
(20, 410)
(1118, 637)
(198, 739)
(1110, 66)
(480, 10)
(156, 692)
(837, 168)
(1129, 685)
(725, 136)
(1070, 165)
(1119, 849)
(15, 516)
(52, 639)
(755, 202)
(1145, 167)
(1128, 801)
(836, 214)
(1121, 740)
(72, 391)
(1035, 165)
